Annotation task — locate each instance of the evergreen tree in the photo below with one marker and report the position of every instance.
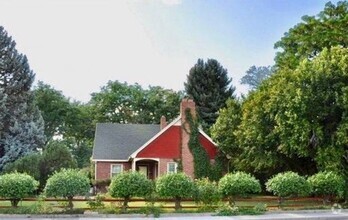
(22, 127)
(209, 86)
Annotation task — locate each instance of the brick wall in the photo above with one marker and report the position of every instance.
(103, 168)
(186, 156)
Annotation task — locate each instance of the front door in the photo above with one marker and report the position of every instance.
(143, 169)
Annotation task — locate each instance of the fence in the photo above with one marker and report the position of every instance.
(136, 203)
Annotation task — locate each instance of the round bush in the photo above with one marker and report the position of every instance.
(67, 183)
(288, 184)
(327, 184)
(207, 192)
(129, 184)
(16, 186)
(238, 184)
(175, 185)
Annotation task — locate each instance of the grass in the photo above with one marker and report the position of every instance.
(187, 206)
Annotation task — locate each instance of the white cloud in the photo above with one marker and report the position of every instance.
(171, 2)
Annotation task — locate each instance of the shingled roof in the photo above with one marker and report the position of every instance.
(118, 141)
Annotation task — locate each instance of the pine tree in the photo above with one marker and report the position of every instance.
(21, 124)
(209, 86)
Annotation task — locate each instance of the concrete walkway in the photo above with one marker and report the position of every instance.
(284, 215)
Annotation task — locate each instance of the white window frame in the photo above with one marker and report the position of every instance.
(114, 174)
(175, 167)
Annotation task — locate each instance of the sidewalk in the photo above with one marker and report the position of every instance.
(276, 215)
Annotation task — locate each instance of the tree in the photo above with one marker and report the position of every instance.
(207, 192)
(296, 120)
(238, 184)
(54, 107)
(67, 183)
(130, 184)
(55, 157)
(16, 186)
(288, 184)
(308, 38)
(255, 75)
(29, 164)
(223, 131)
(327, 184)
(22, 127)
(175, 185)
(122, 103)
(209, 87)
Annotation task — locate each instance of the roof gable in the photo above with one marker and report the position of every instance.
(118, 141)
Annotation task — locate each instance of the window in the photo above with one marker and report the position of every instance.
(116, 169)
(172, 167)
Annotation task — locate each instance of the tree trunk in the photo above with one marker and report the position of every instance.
(280, 202)
(177, 203)
(125, 204)
(14, 202)
(70, 200)
(231, 201)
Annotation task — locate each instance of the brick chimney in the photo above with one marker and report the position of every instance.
(163, 122)
(186, 155)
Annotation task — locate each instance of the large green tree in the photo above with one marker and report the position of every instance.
(122, 103)
(224, 130)
(54, 108)
(255, 75)
(210, 87)
(307, 38)
(21, 124)
(298, 119)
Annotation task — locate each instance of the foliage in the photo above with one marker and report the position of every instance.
(327, 184)
(201, 160)
(209, 86)
(223, 131)
(130, 184)
(16, 186)
(67, 183)
(308, 38)
(96, 203)
(226, 210)
(238, 184)
(21, 124)
(255, 75)
(175, 185)
(54, 107)
(207, 192)
(28, 164)
(122, 103)
(297, 119)
(55, 157)
(288, 184)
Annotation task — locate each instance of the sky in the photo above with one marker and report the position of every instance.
(77, 46)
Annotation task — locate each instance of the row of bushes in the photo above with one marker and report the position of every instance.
(69, 182)
(232, 185)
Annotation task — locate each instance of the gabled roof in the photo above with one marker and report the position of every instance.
(118, 141)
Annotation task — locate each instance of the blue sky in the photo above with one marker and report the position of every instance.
(78, 45)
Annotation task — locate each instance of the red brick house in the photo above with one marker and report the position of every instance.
(152, 149)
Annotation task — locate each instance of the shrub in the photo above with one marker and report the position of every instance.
(288, 184)
(96, 203)
(207, 192)
(16, 186)
(130, 184)
(327, 184)
(67, 183)
(238, 184)
(175, 185)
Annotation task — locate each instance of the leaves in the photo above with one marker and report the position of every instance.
(16, 186)
(175, 185)
(288, 184)
(67, 183)
(130, 184)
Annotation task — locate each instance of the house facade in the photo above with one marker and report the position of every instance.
(152, 149)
